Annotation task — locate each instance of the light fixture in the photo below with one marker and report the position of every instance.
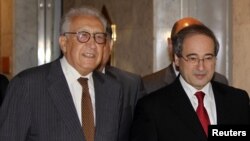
(113, 27)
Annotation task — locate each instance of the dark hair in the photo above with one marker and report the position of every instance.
(179, 38)
(109, 30)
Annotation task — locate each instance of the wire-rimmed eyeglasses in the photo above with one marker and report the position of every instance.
(83, 36)
(194, 59)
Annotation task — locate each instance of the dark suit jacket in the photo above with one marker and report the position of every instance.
(166, 76)
(3, 86)
(133, 90)
(39, 107)
(168, 115)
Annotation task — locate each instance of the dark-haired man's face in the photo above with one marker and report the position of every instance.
(197, 73)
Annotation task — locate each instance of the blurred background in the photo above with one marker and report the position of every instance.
(29, 31)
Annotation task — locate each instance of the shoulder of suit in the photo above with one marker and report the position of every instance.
(37, 70)
(226, 88)
(119, 72)
(220, 78)
(107, 79)
(159, 74)
(162, 94)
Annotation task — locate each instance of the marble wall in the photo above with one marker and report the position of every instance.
(166, 12)
(28, 33)
(25, 32)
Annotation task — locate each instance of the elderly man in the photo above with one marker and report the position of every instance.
(66, 100)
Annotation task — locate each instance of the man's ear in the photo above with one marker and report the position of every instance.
(111, 45)
(176, 60)
(169, 41)
(170, 50)
(62, 43)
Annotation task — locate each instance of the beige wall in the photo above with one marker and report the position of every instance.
(241, 44)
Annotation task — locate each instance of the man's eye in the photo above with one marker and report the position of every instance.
(84, 35)
(208, 58)
(192, 58)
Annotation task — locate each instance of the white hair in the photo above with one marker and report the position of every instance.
(85, 10)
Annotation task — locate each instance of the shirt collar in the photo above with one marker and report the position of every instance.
(190, 90)
(71, 72)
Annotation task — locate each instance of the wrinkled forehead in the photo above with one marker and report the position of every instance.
(86, 23)
(199, 43)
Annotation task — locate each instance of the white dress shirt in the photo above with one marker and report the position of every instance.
(75, 87)
(209, 102)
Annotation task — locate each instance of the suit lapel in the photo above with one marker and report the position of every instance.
(181, 104)
(221, 105)
(108, 100)
(60, 94)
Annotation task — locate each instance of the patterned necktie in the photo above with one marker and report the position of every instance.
(87, 111)
(202, 112)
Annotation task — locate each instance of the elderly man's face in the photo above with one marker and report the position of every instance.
(84, 57)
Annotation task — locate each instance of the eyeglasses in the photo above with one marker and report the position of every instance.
(83, 36)
(194, 59)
